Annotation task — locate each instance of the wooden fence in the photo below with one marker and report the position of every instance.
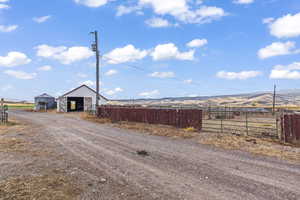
(290, 124)
(181, 118)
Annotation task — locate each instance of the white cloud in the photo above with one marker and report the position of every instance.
(88, 83)
(123, 10)
(4, 6)
(149, 94)
(162, 74)
(114, 91)
(243, 75)
(41, 19)
(45, 68)
(197, 43)
(14, 59)
(4, 1)
(125, 54)
(179, 9)
(20, 74)
(7, 29)
(111, 72)
(188, 81)
(63, 54)
(170, 51)
(286, 26)
(82, 75)
(291, 71)
(6, 88)
(243, 1)
(158, 22)
(92, 3)
(268, 20)
(277, 49)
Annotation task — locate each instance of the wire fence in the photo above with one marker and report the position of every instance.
(3, 114)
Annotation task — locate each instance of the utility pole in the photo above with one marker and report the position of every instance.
(95, 48)
(274, 99)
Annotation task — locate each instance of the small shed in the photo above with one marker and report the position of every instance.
(44, 102)
(82, 98)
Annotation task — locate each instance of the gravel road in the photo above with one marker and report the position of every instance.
(174, 169)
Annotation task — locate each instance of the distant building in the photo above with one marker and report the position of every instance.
(44, 102)
(79, 99)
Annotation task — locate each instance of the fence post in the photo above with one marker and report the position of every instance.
(221, 125)
(247, 128)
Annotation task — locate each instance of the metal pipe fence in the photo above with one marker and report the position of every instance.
(242, 123)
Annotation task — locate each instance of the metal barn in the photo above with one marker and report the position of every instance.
(44, 102)
(79, 99)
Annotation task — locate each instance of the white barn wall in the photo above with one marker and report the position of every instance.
(86, 92)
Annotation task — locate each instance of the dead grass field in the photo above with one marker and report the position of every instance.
(259, 146)
(47, 187)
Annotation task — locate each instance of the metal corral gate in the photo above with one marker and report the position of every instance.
(290, 124)
(181, 118)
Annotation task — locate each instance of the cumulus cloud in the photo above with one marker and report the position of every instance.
(41, 19)
(88, 83)
(291, 71)
(111, 72)
(188, 81)
(149, 94)
(277, 49)
(63, 54)
(45, 68)
(197, 43)
(123, 10)
(3, 6)
(268, 20)
(243, 75)
(125, 54)
(7, 29)
(243, 1)
(181, 10)
(286, 27)
(162, 74)
(14, 59)
(20, 74)
(114, 91)
(170, 51)
(92, 3)
(158, 22)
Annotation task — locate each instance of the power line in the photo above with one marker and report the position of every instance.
(195, 83)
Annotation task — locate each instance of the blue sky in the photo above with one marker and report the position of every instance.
(180, 47)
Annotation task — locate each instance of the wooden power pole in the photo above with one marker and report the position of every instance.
(274, 100)
(95, 48)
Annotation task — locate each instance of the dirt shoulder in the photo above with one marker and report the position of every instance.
(28, 169)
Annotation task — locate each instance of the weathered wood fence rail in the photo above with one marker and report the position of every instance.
(181, 118)
(290, 124)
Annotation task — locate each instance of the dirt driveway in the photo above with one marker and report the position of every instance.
(174, 169)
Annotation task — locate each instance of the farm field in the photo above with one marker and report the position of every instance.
(100, 161)
(20, 106)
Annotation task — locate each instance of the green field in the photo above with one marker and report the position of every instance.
(20, 106)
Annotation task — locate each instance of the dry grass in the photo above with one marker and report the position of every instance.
(12, 145)
(253, 145)
(47, 187)
(151, 129)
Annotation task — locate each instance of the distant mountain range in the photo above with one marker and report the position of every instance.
(260, 99)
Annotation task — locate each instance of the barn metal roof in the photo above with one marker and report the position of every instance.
(86, 87)
(45, 95)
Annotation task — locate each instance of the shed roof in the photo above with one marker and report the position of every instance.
(87, 88)
(45, 95)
